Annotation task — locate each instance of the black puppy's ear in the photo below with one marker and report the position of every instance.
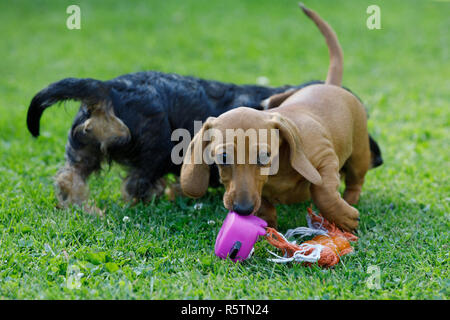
(194, 177)
(103, 127)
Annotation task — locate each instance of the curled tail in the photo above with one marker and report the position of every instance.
(89, 91)
(336, 55)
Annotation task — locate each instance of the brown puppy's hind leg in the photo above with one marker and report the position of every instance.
(354, 180)
(356, 168)
(328, 200)
(268, 213)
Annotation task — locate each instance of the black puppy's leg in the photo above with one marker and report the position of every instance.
(70, 186)
(71, 180)
(377, 159)
(138, 186)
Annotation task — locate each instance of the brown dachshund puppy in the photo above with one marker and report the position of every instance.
(322, 134)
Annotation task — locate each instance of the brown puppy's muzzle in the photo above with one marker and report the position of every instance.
(242, 197)
(244, 207)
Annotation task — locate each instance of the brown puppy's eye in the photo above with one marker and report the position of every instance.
(263, 159)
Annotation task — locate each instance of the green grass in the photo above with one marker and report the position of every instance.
(165, 250)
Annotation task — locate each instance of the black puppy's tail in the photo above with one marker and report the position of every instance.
(89, 91)
(377, 159)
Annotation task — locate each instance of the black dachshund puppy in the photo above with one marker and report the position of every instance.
(130, 120)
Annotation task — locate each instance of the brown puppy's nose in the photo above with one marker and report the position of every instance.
(243, 209)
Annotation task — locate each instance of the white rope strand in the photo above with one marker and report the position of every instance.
(304, 232)
(315, 225)
(315, 228)
(299, 255)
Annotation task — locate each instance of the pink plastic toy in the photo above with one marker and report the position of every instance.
(238, 235)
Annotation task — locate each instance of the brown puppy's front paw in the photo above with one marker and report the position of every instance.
(348, 220)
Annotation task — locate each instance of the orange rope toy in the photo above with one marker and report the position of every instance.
(326, 248)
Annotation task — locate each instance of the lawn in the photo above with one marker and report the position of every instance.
(164, 250)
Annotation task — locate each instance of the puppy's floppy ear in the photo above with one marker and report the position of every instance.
(194, 177)
(299, 161)
(116, 133)
(103, 127)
